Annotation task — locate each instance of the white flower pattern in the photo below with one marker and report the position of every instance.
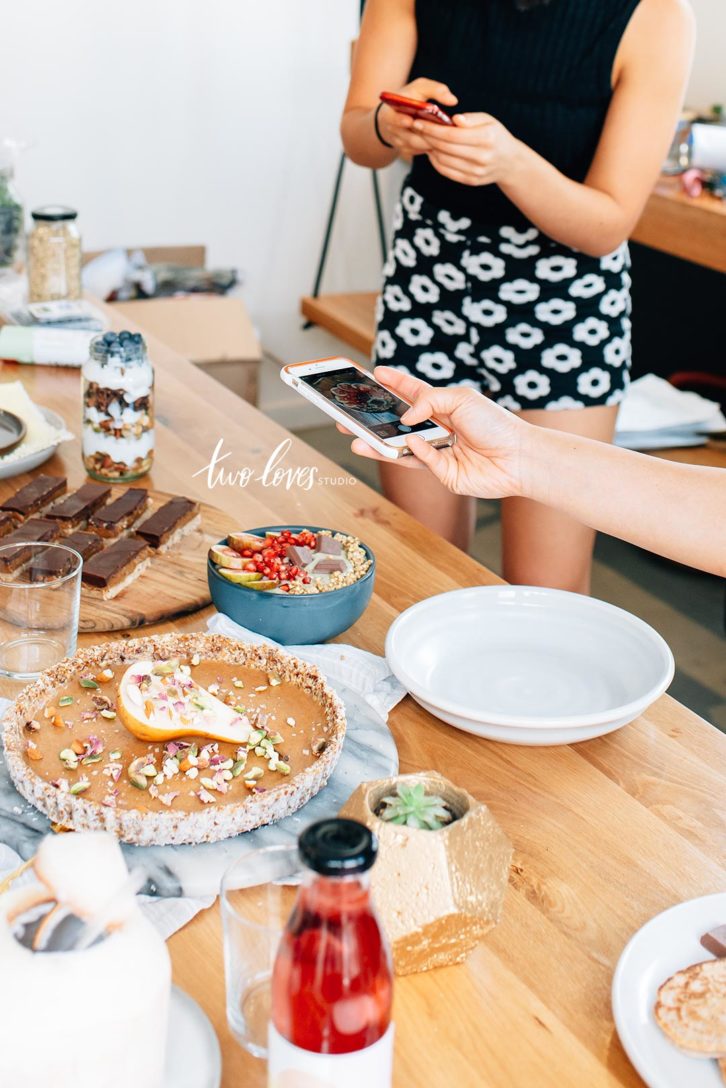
(562, 358)
(497, 358)
(414, 331)
(519, 292)
(513, 314)
(436, 365)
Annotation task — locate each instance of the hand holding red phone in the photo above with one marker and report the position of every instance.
(396, 128)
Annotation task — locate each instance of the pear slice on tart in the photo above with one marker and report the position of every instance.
(159, 701)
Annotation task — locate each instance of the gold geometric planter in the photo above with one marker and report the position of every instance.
(437, 892)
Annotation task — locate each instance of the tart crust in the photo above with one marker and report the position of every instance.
(212, 822)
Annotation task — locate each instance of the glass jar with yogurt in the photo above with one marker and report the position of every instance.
(118, 408)
(54, 255)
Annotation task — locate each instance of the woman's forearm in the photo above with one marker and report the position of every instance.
(361, 144)
(676, 510)
(575, 214)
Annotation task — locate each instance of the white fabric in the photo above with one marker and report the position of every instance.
(654, 414)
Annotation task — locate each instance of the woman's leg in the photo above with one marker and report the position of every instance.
(540, 546)
(423, 497)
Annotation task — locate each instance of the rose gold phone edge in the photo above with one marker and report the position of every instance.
(391, 452)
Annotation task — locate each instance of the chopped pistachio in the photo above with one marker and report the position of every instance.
(283, 768)
(238, 767)
(65, 700)
(208, 783)
(275, 738)
(93, 758)
(108, 714)
(80, 786)
(87, 682)
(149, 770)
(262, 687)
(275, 681)
(254, 773)
(139, 780)
(116, 754)
(238, 683)
(165, 668)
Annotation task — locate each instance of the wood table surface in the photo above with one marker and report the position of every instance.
(692, 228)
(606, 833)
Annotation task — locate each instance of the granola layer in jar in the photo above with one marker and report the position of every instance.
(118, 408)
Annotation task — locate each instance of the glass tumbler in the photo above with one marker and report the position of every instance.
(257, 895)
(40, 589)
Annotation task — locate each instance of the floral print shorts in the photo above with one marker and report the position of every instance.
(509, 312)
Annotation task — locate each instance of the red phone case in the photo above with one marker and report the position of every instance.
(424, 111)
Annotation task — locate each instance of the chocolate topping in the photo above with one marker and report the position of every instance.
(328, 545)
(81, 504)
(298, 554)
(7, 524)
(35, 495)
(715, 941)
(33, 531)
(107, 565)
(165, 520)
(330, 564)
(122, 511)
(86, 544)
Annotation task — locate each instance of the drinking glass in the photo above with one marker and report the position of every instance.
(38, 610)
(257, 895)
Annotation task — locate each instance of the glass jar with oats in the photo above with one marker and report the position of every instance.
(118, 408)
(54, 254)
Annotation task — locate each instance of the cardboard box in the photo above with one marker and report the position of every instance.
(214, 331)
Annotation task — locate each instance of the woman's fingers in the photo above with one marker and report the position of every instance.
(453, 135)
(431, 88)
(466, 177)
(364, 450)
(407, 387)
(436, 461)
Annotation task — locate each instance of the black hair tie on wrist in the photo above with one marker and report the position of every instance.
(375, 125)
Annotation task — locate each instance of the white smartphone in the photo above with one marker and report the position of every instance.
(353, 397)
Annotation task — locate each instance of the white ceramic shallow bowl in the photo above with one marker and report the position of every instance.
(664, 945)
(38, 457)
(526, 665)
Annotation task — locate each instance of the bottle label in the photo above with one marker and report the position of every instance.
(292, 1067)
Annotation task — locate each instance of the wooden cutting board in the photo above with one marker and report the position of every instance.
(173, 584)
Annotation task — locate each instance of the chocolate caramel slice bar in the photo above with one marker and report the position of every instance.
(170, 523)
(116, 567)
(112, 520)
(7, 524)
(35, 496)
(32, 531)
(75, 510)
(55, 562)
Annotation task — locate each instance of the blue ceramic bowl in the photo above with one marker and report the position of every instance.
(292, 620)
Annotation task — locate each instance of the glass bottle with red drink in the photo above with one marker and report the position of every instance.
(332, 984)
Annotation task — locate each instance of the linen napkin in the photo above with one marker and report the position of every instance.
(362, 672)
(656, 415)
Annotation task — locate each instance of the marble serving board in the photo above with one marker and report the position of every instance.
(369, 751)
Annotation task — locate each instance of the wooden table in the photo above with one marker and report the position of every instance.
(692, 228)
(606, 833)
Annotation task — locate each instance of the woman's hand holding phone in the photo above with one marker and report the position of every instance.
(476, 150)
(487, 458)
(398, 129)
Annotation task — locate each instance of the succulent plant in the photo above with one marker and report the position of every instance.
(411, 806)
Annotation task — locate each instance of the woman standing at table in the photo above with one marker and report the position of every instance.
(508, 270)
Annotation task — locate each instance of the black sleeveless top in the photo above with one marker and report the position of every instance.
(544, 72)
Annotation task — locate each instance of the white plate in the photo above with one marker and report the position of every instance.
(193, 1058)
(664, 945)
(529, 665)
(33, 460)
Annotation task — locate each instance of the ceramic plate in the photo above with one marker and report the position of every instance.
(664, 945)
(193, 1058)
(39, 457)
(528, 665)
(12, 431)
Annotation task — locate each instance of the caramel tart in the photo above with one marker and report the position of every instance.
(70, 754)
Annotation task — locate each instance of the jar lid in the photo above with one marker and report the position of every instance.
(53, 213)
(338, 847)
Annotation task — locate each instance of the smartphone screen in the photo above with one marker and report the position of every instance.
(362, 399)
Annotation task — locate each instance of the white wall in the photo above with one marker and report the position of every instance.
(169, 121)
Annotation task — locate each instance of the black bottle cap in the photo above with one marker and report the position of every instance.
(338, 847)
(53, 213)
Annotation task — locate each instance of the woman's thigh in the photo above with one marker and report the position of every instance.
(541, 546)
